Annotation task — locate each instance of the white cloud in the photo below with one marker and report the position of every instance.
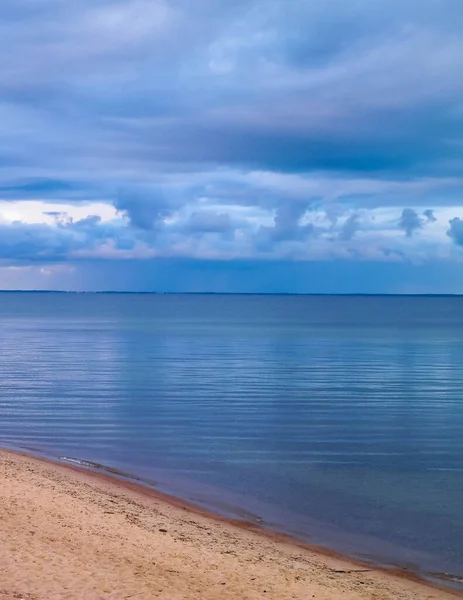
(39, 211)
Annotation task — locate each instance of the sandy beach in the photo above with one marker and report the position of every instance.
(68, 533)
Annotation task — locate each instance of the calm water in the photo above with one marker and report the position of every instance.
(339, 419)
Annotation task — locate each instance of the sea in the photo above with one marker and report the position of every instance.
(335, 419)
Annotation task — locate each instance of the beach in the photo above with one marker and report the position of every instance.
(69, 533)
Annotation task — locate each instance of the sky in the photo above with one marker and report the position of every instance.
(309, 146)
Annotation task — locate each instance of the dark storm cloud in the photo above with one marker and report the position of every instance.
(429, 214)
(349, 228)
(455, 231)
(287, 222)
(145, 208)
(287, 227)
(410, 221)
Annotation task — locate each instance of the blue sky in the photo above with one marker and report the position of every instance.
(232, 145)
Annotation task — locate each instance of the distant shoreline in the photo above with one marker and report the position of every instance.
(42, 500)
(277, 294)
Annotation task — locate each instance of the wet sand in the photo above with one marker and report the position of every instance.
(69, 533)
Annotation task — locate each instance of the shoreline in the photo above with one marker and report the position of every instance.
(326, 572)
(248, 521)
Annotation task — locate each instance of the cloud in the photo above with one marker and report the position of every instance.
(227, 128)
(208, 222)
(410, 221)
(349, 228)
(304, 87)
(287, 227)
(429, 214)
(41, 242)
(296, 231)
(288, 222)
(456, 230)
(146, 209)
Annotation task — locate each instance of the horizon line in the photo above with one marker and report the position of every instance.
(206, 293)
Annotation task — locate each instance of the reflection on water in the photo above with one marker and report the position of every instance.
(338, 418)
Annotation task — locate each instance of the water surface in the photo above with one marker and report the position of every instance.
(337, 419)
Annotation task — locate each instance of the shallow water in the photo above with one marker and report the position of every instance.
(337, 419)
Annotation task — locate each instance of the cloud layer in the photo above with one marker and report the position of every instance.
(260, 130)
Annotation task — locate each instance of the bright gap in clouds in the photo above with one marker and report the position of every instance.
(39, 211)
